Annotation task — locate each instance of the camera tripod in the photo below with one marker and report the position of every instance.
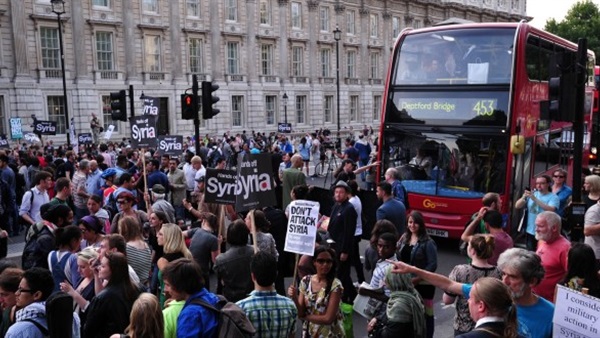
(327, 166)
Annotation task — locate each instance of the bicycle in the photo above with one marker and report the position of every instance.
(323, 168)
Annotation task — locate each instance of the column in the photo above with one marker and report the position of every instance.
(251, 47)
(175, 37)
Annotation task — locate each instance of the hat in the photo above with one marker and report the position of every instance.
(92, 223)
(158, 189)
(109, 173)
(343, 185)
(200, 179)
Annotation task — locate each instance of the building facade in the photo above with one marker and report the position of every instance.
(255, 50)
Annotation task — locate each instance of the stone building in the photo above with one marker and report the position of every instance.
(255, 50)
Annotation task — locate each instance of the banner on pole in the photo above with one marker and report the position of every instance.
(302, 227)
(45, 127)
(254, 182)
(170, 145)
(85, 138)
(143, 131)
(220, 186)
(150, 106)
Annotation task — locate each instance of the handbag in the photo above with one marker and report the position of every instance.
(347, 312)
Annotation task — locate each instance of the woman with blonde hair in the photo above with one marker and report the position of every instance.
(479, 248)
(138, 252)
(84, 291)
(492, 308)
(170, 237)
(591, 185)
(145, 320)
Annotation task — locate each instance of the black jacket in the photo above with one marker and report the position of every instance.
(342, 226)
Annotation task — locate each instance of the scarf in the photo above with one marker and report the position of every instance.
(405, 304)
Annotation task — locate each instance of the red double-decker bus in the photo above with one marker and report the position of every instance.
(465, 112)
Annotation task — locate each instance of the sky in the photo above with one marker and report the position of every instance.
(542, 10)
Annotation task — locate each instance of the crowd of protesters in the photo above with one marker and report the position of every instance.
(128, 235)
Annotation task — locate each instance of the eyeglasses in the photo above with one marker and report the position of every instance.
(24, 290)
(559, 176)
(324, 261)
(122, 201)
(541, 182)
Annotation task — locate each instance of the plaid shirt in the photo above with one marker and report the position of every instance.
(272, 315)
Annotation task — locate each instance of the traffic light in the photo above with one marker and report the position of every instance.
(208, 100)
(561, 96)
(118, 105)
(189, 106)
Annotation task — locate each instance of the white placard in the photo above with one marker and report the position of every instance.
(576, 314)
(302, 227)
(108, 132)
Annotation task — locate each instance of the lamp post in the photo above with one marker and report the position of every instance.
(337, 35)
(285, 100)
(58, 8)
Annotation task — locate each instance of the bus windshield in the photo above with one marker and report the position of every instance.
(460, 56)
(459, 165)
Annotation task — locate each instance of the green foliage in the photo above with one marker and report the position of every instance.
(581, 21)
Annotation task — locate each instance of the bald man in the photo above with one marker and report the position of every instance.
(292, 177)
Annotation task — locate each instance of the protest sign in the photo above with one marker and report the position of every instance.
(45, 127)
(31, 138)
(85, 138)
(143, 131)
(254, 182)
(16, 129)
(108, 132)
(302, 227)
(150, 106)
(170, 145)
(220, 186)
(576, 314)
(4, 142)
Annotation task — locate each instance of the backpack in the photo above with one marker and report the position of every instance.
(214, 157)
(57, 268)
(111, 206)
(31, 257)
(31, 173)
(233, 322)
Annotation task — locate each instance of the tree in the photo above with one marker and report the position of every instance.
(581, 21)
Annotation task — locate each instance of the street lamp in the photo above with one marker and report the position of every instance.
(337, 35)
(58, 8)
(285, 100)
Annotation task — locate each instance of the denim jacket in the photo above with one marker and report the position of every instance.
(423, 254)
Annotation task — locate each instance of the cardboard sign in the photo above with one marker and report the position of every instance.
(85, 138)
(143, 131)
(150, 106)
(44, 127)
(16, 128)
(302, 227)
(4, 142)
(220, 186)
(170, 145)
(254, 182)
(576, 314)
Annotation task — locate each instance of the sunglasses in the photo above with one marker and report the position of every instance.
(324, 261)
(122, 201)
(559, 176)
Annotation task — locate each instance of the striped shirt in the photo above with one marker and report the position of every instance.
(272, 315)
(140, 260)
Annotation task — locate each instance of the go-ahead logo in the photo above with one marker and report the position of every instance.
(429, 204)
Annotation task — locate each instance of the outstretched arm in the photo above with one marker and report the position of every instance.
(435, 279)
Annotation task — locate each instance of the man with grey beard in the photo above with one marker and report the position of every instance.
(522, 270)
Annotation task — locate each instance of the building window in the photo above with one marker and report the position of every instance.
(416, 24)
(270, 104)
(231, 10)
(56, 112)
(101, 3)
(325, 62)
(324, 18)
(50, 48)
(296, 15)
(395, 27)
(374, 25)
(297, 61)
(374, 66)
(150, 6)
(515, 4)
(237, 110)
(152, 44)
(351, 22)
(193, 8)
(106, 114)
(266, 59)
(233, 55)
(196, 61)
(328, 108)
(300, 109)
(265, 12)
(376, 107)
(104, 50)
(351, 64)
(354, 108)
